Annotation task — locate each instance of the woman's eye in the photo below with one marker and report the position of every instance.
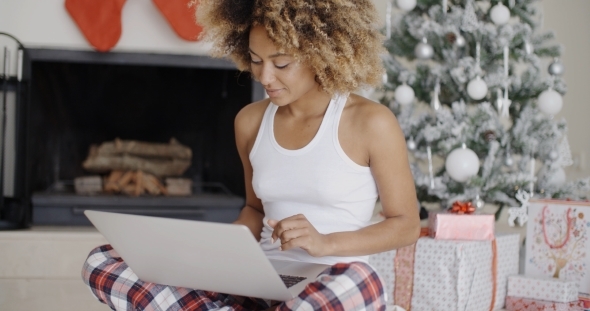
(281, 67)
(255, 61)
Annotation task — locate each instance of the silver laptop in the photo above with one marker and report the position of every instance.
(218, 257)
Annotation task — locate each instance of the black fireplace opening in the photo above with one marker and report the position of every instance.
(75, 104)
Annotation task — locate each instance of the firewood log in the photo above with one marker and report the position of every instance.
(172, 150)
(157, 167)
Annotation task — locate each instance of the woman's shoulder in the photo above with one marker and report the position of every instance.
(247, 123)
(251, 115)
(369, 115)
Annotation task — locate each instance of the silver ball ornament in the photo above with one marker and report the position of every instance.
(423, 50)
(478, 202)
(553, 155)
(411, 144)
(556, 68)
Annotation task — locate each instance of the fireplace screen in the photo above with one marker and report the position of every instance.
(77, 106)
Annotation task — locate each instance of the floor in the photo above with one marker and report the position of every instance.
(40, 268)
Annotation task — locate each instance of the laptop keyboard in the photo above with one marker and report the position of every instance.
(291, 280)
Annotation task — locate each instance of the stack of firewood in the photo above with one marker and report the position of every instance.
(134, 183)
(136, 168)
(160, 160)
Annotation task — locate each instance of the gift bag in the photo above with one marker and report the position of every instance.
(558, 242)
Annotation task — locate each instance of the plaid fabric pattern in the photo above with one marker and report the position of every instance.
(354, 286)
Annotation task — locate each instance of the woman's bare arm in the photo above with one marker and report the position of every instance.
(246, 126)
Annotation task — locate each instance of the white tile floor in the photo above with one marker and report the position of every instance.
(40, 268)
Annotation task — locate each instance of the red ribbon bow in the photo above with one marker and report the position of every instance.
(462, 208)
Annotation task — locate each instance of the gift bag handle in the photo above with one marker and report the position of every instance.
(569, 228)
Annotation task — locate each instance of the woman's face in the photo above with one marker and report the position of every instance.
(284, 78)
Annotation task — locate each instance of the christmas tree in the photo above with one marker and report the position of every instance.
(476, 104)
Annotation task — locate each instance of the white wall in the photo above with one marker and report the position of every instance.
(46, 23)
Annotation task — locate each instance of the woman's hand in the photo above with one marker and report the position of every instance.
(297, 231)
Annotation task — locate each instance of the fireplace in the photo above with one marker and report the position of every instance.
(78, 98)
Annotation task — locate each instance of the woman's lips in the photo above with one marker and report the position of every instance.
(273, 92)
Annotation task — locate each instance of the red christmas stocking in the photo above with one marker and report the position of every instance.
(181, 17)
(99, 21)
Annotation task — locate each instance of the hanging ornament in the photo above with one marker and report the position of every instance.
(478, 202)
(404, 94)
(470, 22)
(411, 144)
(553, 155)
(460, 41)
(500, 14)
(406, 5)
(430, 167)
(550, 102)
(499, 101)
(556, 68)
(528, 48)
(565, 153)
(506, 104)
(508, 161)
(423, 50)
(462, 163)
(477, 88)
(435, 102)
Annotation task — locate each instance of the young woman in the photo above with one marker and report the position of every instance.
(315, 156)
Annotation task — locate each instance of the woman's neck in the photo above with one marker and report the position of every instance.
(313, 103)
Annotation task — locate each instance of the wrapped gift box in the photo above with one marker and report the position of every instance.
(449, 275)
(449, 226)
(558, 242)
(542, 288)
(526, 304)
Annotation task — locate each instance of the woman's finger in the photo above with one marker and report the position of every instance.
(288, 224)
(293, 234)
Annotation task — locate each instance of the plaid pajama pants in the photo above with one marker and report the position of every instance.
(352, 286)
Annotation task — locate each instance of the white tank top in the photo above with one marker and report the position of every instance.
(319, 181)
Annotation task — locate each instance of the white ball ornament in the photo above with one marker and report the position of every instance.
(461, 164)
(406, 5)
(423, 50)
(550, 102)
(411, 144)
(477, 88)
(460, 41)
(500, 14)
(404, 94)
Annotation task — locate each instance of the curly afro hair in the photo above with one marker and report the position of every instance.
(338, 39)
